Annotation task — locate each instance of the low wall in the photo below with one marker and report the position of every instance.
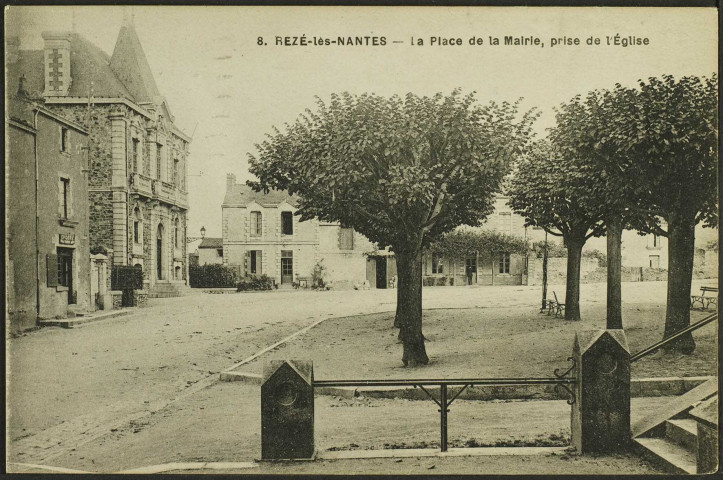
(591, 272)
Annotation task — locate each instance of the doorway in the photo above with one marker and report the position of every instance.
(287, 267)
(470, 269)
(159, 253)
(65, 271)
(381, 272)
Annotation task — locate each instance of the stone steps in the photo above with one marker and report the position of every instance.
(683, 431)
(168, 290)
(668, 455)
(672, 441)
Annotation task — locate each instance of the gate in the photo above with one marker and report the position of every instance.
(127, 279)
(597, 386)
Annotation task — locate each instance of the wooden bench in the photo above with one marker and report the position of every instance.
(555, 306)
(703, 300)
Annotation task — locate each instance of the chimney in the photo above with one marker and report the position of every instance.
(230, 180)
(57, 63)
(21, 87)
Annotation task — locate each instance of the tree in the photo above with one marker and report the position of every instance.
(667, 137)
(582, 133)
(551, 189)
(401, 171)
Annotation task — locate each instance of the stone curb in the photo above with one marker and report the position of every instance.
(639, 387)
(78, 321)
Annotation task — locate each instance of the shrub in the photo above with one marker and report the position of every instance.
(441, 281)
(260, 282)
(317, 275)
(602, 259)
(428, 281)
(211, 276)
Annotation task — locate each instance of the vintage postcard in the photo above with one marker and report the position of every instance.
(361, 240)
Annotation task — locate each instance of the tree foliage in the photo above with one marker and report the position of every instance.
(391, 167)
(552, 189)
(665, 139)
(462, 243)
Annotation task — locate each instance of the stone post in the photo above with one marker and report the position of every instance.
(600, 420)
(287, 410)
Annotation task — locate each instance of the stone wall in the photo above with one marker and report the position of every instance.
(99, 139)
(101, 221)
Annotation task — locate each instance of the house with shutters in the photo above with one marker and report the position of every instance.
(262, 235)
(47, 252)
(137, 157)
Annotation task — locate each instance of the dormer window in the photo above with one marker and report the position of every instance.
(287, 223)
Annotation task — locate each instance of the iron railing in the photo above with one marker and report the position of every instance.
(657, 346)
(560, 380)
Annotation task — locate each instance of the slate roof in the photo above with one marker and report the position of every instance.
(210, 242)
(130, 65)
(242, 194)
(124, 75)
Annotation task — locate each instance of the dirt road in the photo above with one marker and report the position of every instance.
(68, 387)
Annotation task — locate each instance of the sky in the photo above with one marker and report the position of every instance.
(229, 92)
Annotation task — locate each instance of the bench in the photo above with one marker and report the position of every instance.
(555, 306)
(703, 300)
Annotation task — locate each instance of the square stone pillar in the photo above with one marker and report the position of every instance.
(287, 410)
(600, 420)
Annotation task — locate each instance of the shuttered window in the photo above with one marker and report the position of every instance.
(256, 224)
(51, 262)
(346, 238)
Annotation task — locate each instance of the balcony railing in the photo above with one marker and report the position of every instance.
(160, 190)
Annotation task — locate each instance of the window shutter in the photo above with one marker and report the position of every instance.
(259, 268)
(60, 198)
(51, 262)
(247, 263)
(70, 200)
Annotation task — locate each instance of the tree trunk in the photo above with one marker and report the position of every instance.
(409, 308)
(572, 284)
(397, 315)
(681, 254)
(614, 254)
(544, 278)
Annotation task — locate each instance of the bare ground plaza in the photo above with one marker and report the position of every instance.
(361, 240)
(147, 384)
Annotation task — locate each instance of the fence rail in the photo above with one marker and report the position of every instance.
(657, 346)
(497, 382)
(560, 380)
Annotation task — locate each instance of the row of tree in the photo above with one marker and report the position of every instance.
(641, 158)
(405, 170)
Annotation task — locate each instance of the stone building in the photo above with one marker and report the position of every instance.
(261, 235)
(137, 156)
(644, 256)
(46, 213)
(484, 268)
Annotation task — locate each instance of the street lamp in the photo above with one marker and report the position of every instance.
(203, 232)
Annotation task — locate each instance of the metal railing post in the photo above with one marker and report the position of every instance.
(443, 416)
